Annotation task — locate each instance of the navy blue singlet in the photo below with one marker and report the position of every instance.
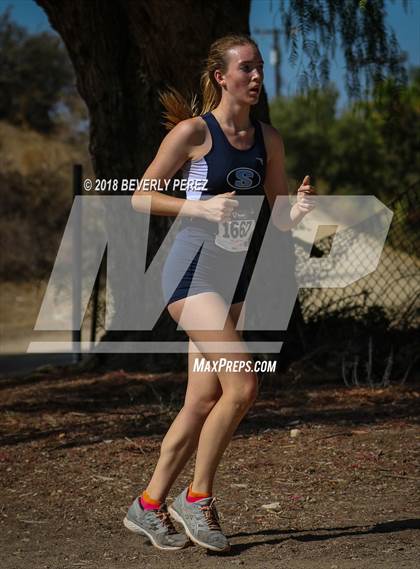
(219, 247)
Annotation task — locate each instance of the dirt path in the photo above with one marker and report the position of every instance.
(76, 450)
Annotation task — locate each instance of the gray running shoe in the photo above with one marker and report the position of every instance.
(156, 525)
(200, 520)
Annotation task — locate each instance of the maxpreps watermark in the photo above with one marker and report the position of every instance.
(235, 366)
(145, 184)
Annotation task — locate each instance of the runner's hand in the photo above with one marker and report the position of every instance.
(220, 207)
(305, 202)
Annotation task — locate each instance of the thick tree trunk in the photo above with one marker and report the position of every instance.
(124, 52)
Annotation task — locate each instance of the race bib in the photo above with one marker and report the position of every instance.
(235, 235)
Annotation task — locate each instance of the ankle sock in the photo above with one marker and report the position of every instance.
(194, 496)
(149, 503)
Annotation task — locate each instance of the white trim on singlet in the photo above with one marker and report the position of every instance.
(195, 170)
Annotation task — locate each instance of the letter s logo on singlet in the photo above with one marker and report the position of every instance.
(243, 179)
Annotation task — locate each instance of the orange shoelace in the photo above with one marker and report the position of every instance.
(166, 520)
(211, 515)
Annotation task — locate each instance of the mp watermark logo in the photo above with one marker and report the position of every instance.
(108, 225)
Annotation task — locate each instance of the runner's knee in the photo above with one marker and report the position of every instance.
(199, 406)
(243, 395)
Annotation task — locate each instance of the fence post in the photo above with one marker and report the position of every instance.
(76, 269)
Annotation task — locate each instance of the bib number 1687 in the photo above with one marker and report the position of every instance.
(237, 229)
(235, 235)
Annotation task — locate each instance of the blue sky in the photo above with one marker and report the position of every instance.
(406, 24)
(263, 15)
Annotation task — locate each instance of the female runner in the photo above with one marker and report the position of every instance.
(237, 156)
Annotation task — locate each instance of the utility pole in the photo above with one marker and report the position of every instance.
(274, 54)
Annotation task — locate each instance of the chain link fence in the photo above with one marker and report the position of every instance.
(393, 289)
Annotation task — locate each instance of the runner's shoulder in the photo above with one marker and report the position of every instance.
(272, 139)
(191, 132)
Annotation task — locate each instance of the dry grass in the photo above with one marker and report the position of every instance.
(36, 186)
(26, 151)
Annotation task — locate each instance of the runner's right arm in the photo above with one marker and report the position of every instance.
(176, 149)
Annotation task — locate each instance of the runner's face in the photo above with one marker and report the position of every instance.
(244, 75)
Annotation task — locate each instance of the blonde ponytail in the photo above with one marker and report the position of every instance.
(211, 93)
(177, 107)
